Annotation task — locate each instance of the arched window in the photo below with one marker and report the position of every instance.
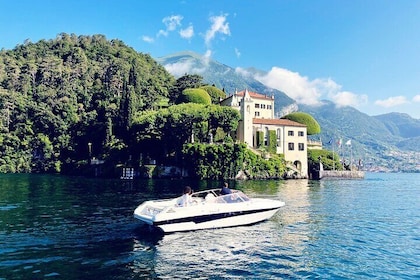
(266, 133)
(298, 165)
(278, 137)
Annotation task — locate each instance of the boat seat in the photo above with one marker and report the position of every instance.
(210, 197)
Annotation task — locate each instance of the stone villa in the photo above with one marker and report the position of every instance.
(257, 112)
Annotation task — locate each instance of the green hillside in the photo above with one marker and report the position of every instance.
(404, 126)
(74, 96)
(400, 124)
(377, 141)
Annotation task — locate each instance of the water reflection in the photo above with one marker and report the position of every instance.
(88, 224)
(205, 254)
(273, 248)
(77, 228)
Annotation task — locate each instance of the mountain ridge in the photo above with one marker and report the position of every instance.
(385, 142)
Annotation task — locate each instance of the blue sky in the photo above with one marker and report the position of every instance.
(365, 54)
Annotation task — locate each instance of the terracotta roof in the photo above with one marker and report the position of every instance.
(254, 95)
(284, 122)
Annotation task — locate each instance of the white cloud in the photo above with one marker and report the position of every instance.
(171, 23)
(219, 25)
(162, 33)
(333, 91)
(293, 84)
(346, 98)
(147, 39)
(391, 101)
(206, 57)
(416, 98)
(237, 52)
(309, 92)
(190, 66)
(178, 69)
(327, 86)
(187, 33)
(245, 73)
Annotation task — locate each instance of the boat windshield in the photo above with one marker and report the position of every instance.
(234, 197)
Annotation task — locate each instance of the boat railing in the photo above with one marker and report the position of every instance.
(204, 194)
(198, 198)
(234, 197)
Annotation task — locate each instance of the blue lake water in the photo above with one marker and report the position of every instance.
(55, 227)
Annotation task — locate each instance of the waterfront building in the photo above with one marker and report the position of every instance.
(257, 118)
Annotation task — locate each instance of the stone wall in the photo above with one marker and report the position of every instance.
(341, 174)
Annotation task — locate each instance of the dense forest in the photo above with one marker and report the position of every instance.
(72, 100)
(57, 96)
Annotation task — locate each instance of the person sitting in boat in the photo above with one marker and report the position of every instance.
(186, 197)
(225, 189)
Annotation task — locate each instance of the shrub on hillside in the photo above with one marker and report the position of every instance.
(312, 125)
(226, 160)
(195, 95)
(215, 93)
(329, 159)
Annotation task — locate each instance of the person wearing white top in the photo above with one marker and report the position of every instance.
(186, 197)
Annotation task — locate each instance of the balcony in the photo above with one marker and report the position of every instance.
(314, 145)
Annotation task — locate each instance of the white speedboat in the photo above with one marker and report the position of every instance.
(208, 209)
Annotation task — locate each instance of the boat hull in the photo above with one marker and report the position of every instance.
(216, 221)
(205, 215)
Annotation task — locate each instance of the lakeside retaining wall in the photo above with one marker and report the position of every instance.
(341, 174)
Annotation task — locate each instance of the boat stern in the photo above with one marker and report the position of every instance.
(146, 213)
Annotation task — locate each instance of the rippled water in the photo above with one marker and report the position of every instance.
(55, 227)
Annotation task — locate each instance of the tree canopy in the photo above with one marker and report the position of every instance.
(174, 126)
(215, 93)
(182, 83)
(195, 95)
(57, 96)
(312, 125)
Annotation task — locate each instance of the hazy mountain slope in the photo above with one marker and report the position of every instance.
(410, 144)
(400, 124)
(222, 76)
(404, 126)
(369, 137)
